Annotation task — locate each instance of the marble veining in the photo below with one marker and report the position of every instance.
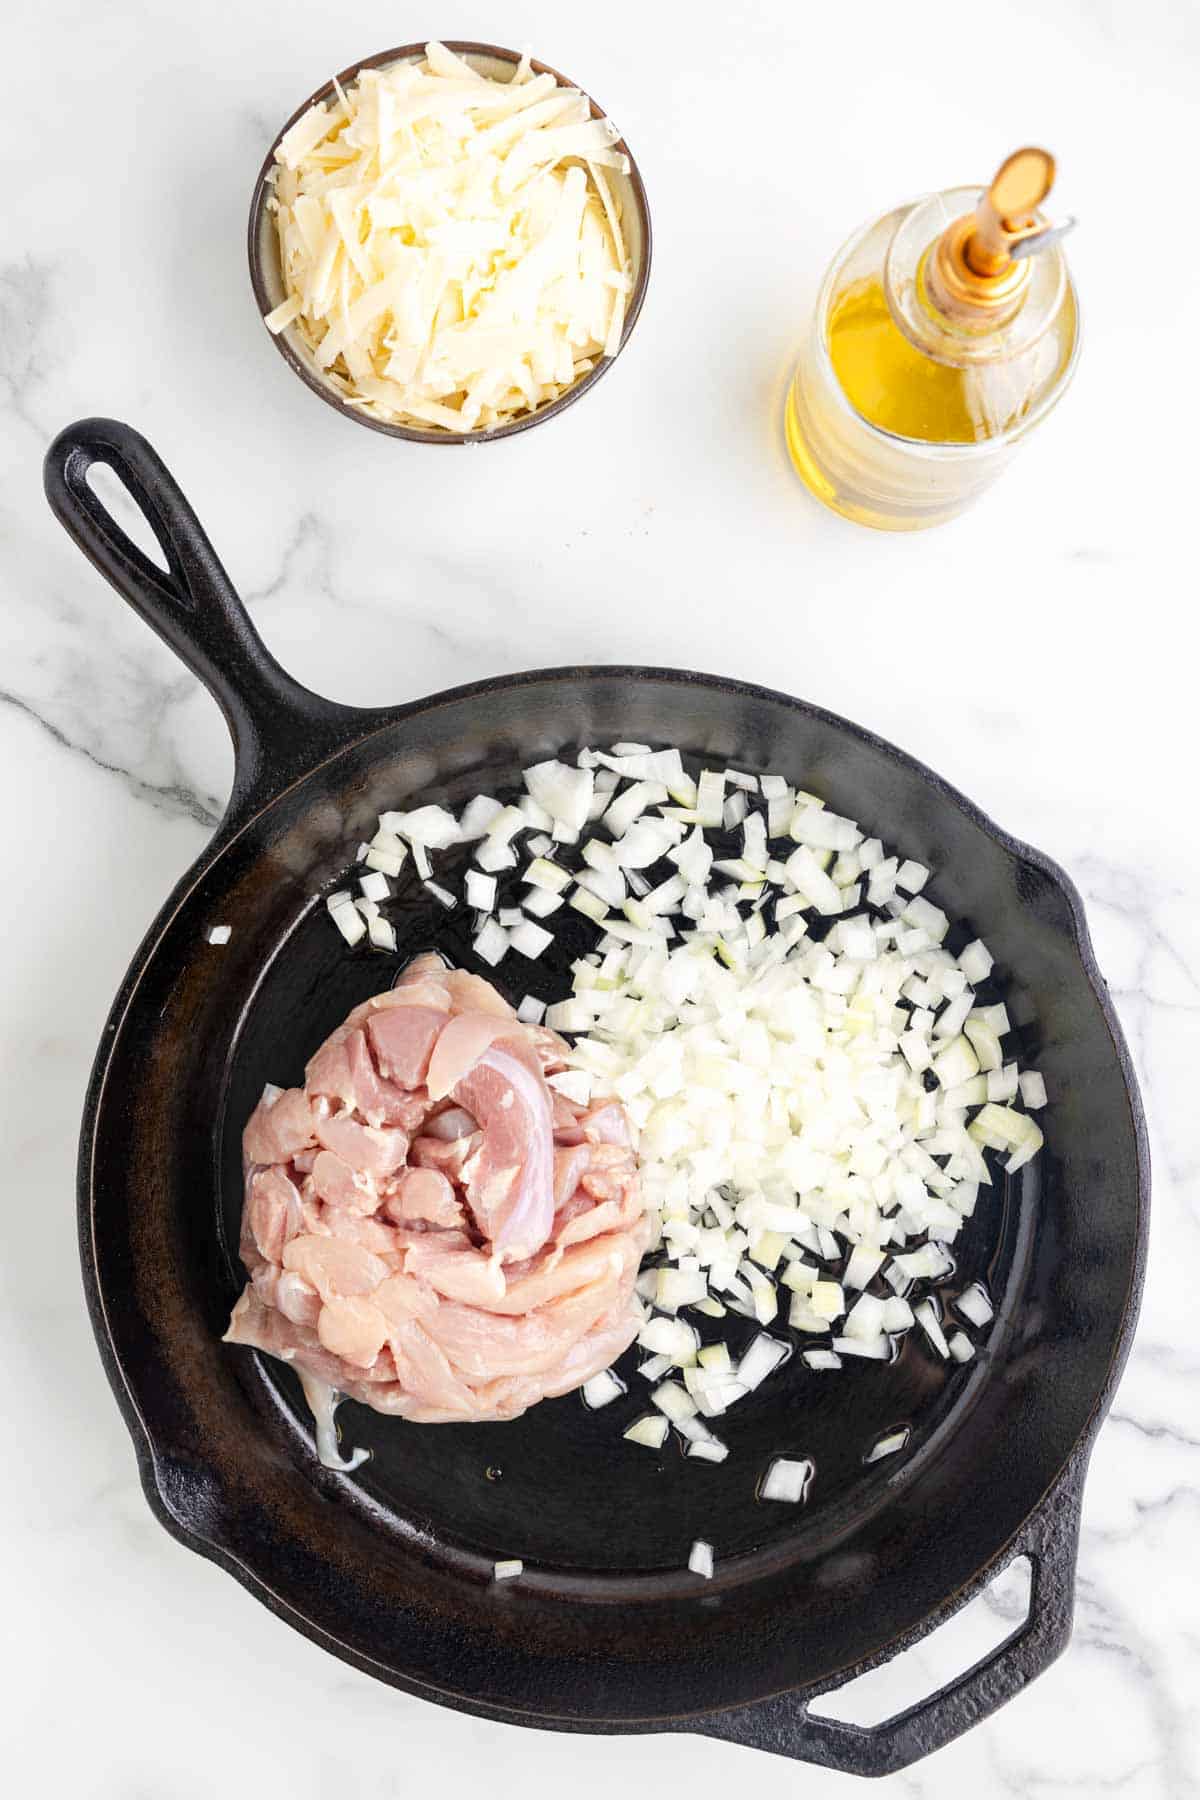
(658, 521)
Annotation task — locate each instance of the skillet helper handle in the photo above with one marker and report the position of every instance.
(785, 1726)
(279, 728)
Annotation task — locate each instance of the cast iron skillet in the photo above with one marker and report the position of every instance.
(390, 1569)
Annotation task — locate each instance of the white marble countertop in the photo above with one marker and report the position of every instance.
(1033, 652)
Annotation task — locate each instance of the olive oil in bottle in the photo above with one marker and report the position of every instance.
(945, 331)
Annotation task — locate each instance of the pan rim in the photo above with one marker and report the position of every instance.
(233, 827)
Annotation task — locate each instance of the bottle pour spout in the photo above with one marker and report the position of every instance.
(978, 269)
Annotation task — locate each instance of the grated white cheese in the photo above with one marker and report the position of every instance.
(450, 245)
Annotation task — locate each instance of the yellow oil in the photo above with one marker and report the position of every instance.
(890, 437)
(898, 389)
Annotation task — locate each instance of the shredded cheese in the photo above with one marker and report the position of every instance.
(450, 245)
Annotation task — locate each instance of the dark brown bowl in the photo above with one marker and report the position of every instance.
(266, 275)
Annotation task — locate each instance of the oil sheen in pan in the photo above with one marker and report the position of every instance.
(630, 1510)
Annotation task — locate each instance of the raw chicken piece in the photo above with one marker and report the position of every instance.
(429, 1228)
(424, 1194)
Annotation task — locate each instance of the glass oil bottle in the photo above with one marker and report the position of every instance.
(944, 333)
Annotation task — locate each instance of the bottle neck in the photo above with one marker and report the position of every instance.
(950, 312)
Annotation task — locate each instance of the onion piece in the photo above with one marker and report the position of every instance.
(540, 903)
(764, 1355)
(674, 1401)
(649, 1430)
(491, 944)
(975, 1306)
(911, 877)
(494, 855)
(477, 817)
(349, 922)
(700, 1559)
(787, 1479)
(600, 1390)
(530, 939)
(926, 1315)
(564, 792)
(430, 826)
(508, 1569)
(481, 891)
(888, 1446)
(976, 962)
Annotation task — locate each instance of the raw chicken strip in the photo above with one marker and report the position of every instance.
(428, 1227)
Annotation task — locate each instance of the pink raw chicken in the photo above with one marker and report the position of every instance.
(429, 1227)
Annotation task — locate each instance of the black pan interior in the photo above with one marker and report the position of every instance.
(394, 1562)
(497, 1490)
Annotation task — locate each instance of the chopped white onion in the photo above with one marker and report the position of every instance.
(491, 944)
(601, 1389)
(381, 933)
(431, 826)
(649, 1430)
(220, 934)
(477, 818)
(976, 962)
(911, 877)
(349, 921)
(494, 854)
(787, 1479)
(708, 1449)
(888, 1446)
(564, 792)
(541, 903)
(700, 1559)
(674, 1401)
(763, 1356)
(508, 1569)
(481, 891)
(926, 1315)
(975, 1306)
(530, 939)
(575, 1084)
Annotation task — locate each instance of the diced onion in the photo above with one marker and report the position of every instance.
(481, 891)
(975, 1306)
(530, 939)
(786, 1479)
(700, 1559)
(491, 944)
(349, 922)
(601, 1389)
(888, 1446)
(649, 1431)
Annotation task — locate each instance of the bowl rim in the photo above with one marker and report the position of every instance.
(411, 433)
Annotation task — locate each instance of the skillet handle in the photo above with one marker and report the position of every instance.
(785, 1726)
(279, 728)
